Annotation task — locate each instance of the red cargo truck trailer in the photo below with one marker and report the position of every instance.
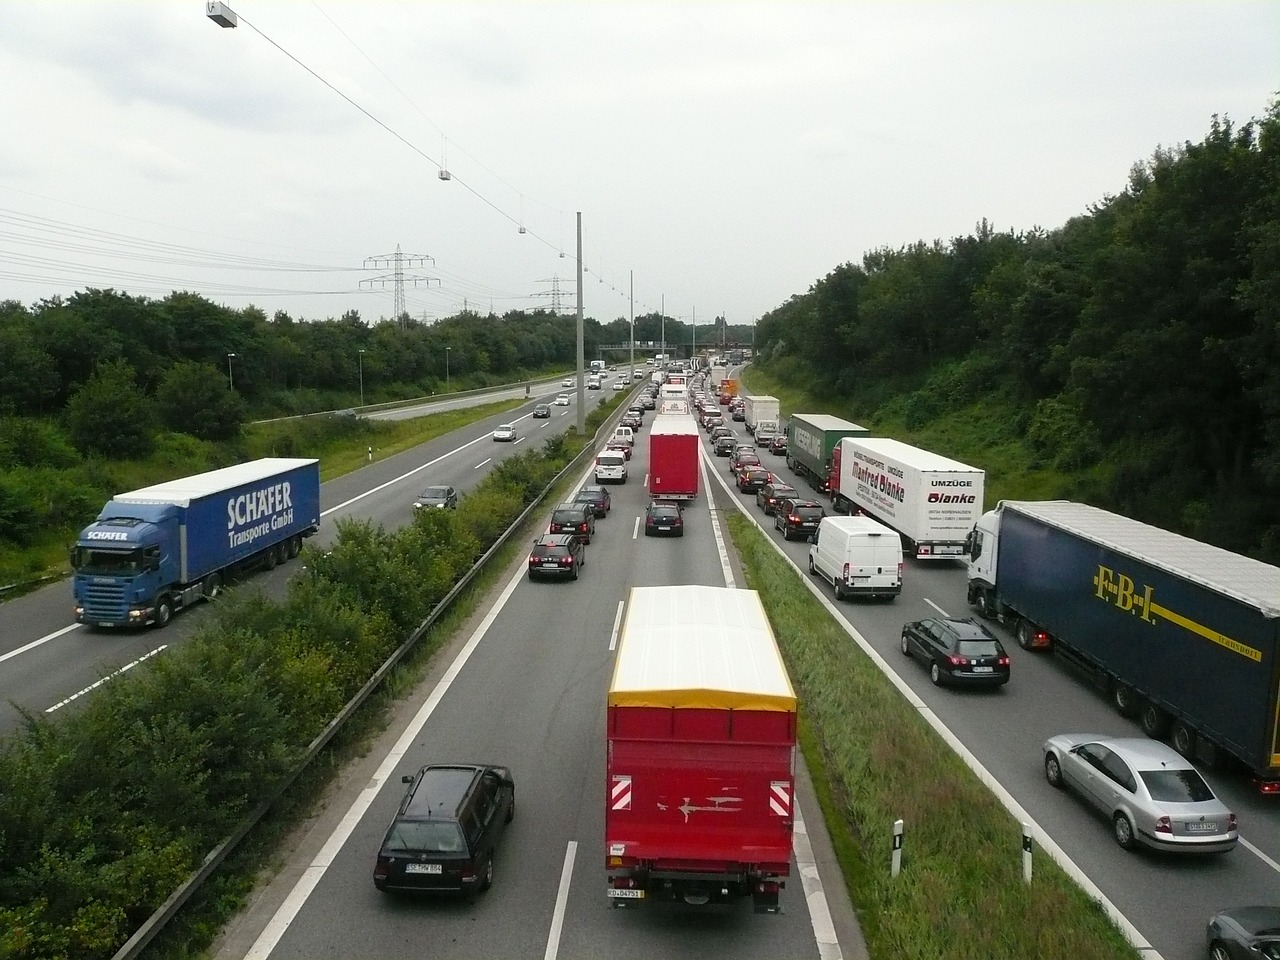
(700, 772)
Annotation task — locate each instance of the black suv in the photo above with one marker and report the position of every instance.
(597, 496)
(445, 833)
(556, 555)
(576, 518)
(794, 516)
(768, 496)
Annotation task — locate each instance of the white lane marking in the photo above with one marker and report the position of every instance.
(35, 643)
(1260, 855)
(110, 676)
(941, 612)
(520, 440)
(1041, 837)
(404, 476)
(721, 548)
(824, 930)
(635, 530)
(617, 622)
(562, 900)
(314, 873)
(482, 463)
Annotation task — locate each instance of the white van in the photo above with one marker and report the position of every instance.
(858, 556)
(625, 434)
(611, 466)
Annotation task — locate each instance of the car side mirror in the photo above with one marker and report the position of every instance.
(407, 778)
(812, 538)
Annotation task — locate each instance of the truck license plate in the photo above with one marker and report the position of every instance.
(422, 868)
(626, 894)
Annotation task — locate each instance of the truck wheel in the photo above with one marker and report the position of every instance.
(1154, 721)
(212, 586)
(269, 558)
(1024, 634)
(1183, 739)
(295, 547)
(1125, 700)
(164, 612)
(983, 603)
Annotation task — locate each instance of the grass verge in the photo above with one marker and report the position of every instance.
(874, 760)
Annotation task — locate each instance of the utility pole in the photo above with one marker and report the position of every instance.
(664, 326)
(631, 372)
(582, 359)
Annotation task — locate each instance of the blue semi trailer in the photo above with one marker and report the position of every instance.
(155, 550)
(1184, 636)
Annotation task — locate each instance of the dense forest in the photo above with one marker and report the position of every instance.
(1136, 348)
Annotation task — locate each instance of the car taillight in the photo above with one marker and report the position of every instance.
(648, 521)
(1003, 661)
(381, 869)
(957, 661)
(566, 561)
(1163, 825)
(1232, 822)
(469, 873)
(900, 566)
(532, 559)
(793, 519)
(846, 571)
(582, 527)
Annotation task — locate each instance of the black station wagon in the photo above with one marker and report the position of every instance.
(445, 834)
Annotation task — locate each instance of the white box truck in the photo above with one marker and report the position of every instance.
(931, 500)
(762, 407)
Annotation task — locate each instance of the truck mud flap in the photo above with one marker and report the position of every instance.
(764, 898)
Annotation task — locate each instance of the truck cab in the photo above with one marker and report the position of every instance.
(121, 560)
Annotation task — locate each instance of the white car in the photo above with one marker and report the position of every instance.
(567, 382)
(619, 385)
(505, 431)
(561, 401)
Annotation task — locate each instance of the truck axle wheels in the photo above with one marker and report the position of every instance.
(1183, 739)
(1154, 721)
(164, 612)
(1126, 702)
(212, 586)
(983, 602)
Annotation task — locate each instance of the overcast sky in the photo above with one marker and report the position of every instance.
(729, 154)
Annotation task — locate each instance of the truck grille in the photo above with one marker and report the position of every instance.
(103, 601)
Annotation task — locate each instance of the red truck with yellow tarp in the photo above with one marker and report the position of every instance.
(700, 775)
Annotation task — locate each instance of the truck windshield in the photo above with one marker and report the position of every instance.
(106, 562)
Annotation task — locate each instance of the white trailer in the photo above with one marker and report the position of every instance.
(762, 407)
(932, 501)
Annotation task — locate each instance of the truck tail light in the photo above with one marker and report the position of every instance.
(1163, 825)
(846, 571)
(900, 566)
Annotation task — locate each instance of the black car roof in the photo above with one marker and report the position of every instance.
(554, 540)
(441, 789)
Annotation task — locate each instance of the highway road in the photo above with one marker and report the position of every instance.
(1168, 899)
(48, 662)
(527, 689)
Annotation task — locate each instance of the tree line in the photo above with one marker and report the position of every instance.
(1135, 347)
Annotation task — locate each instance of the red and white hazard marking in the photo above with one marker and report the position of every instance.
(780, 797)
(620, 794)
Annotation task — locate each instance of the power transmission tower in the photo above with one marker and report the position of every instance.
(554, 294)
(398, 261)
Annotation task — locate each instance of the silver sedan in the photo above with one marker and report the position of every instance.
(1153, 796)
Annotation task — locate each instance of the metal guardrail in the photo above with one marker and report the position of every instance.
(167, 910)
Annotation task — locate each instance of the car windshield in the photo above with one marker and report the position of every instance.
(435, 493)
(1176, 786)
(426, 836)
(978, 648)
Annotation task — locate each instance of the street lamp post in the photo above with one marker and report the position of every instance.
(231, 383)
(446, 370)
(360, 358)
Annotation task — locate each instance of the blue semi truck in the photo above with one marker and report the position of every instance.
(155, 550)
(1184, 636)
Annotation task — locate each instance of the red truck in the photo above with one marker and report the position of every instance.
(674, 445)
(700, 778)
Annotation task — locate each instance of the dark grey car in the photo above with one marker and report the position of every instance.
(1245, 933)
(437, 496)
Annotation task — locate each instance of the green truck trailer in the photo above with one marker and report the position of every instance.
(811, 438)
